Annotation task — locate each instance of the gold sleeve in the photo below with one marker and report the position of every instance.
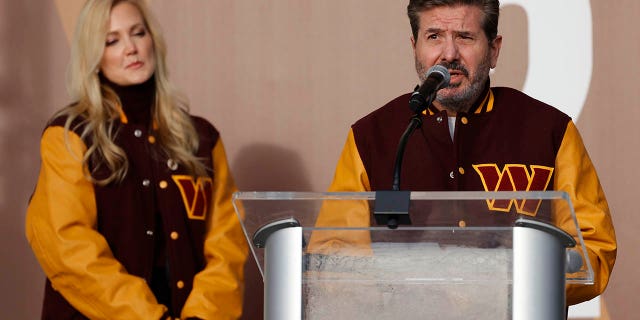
(576, 175)
(350, 173)
(61, 229)
(218, 289)
(350, 176)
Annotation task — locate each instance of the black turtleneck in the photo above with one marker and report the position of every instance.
(137, 100)
(137, 104)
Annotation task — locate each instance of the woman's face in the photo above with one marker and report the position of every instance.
(128, 57)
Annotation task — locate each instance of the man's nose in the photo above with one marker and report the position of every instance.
(450, 51)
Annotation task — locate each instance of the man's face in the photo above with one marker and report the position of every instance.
(454, 38)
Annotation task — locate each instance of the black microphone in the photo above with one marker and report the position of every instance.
(438, 77)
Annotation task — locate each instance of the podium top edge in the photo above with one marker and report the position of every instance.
(415, 195)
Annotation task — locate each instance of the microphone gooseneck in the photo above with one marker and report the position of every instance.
(437, 77)
(392, 207)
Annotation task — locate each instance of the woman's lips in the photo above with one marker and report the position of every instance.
(135, 65)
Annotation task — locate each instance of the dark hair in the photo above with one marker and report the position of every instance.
(491, 9)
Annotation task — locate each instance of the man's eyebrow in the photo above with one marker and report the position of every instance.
(433, 30)
(465, 33)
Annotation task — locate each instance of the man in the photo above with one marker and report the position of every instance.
(472, 133)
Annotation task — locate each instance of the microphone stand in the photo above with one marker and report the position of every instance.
(415, 123)
(392, 207)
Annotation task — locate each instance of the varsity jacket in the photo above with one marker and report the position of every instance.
(506, 134)
(96, 243)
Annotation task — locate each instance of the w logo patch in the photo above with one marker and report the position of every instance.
(195, 195)
(514, 177)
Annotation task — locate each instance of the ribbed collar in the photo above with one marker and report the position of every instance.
(137, 100)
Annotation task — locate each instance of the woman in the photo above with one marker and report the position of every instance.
(132, 217)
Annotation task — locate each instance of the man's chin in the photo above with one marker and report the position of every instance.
(450, 92)
(453, 85)
(452, 97)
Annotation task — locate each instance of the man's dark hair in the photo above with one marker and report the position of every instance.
(491, 9)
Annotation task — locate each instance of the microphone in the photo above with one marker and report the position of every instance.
(437, 77)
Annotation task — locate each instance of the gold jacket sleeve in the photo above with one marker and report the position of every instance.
(61, 229)
(350, 173)
(576, 175)
(218, 289)
(350, 176)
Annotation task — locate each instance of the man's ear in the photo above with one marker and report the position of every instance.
(494, 47)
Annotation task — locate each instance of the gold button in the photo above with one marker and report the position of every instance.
(462, 224)
(174, 235)
(151, 139)
(163, 184)
(464, 120)
(461, 170)
(180, 284)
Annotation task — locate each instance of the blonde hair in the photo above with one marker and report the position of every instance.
(97, 106)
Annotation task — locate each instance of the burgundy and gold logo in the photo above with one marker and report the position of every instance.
(194, 195)
(514, 177)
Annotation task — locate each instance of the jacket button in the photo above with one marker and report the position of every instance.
(137, 133)
(462, 223)
(151, 139)
(439, 119)
(461, 170)
(172, 165)
(180, 284)
(464, 120)
(146, 182)
(452, 175)
(174, 235)
(149, 232)
(163, 184)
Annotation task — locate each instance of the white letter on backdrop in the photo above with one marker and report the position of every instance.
(560, 52)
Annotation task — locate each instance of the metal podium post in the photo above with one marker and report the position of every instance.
(282, 241)
(539, 264)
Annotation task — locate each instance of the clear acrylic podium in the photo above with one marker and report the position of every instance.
(465, 255)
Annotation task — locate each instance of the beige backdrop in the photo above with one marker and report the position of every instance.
(283, 80)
